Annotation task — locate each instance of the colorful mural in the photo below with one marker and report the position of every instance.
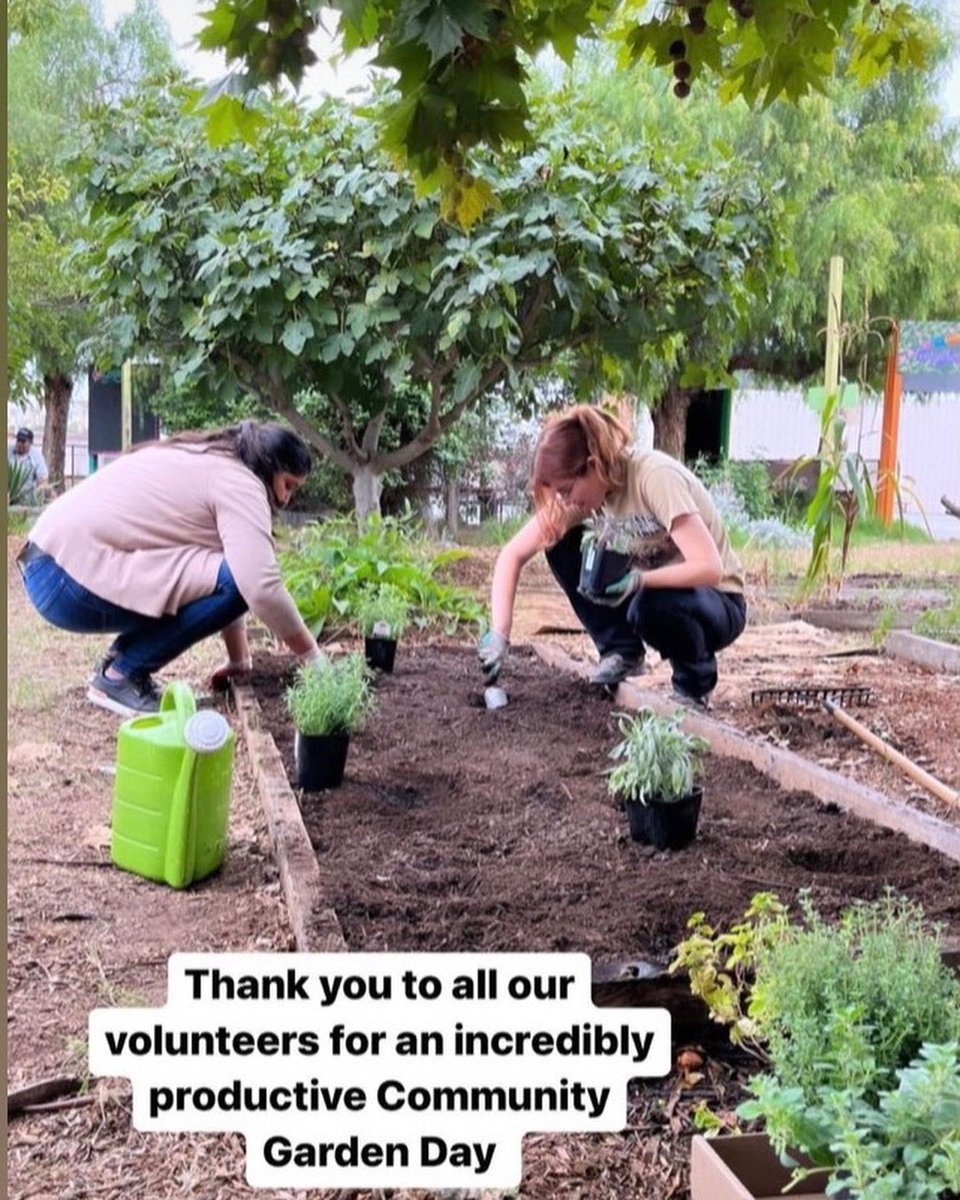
(929, 357)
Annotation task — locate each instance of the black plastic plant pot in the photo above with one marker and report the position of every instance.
(321, 760)
(599, 567)
(380, 653)
(666, 826)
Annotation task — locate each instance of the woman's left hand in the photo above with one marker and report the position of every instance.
(622, 589)
(229, 670)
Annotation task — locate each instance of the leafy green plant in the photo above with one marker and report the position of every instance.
(607, 532)
(836, 1010)
(19, 482)
(721, 965)
(881, 961)
(656, 759)
(331, 697)
(941, 623)
(907, 1147)
(885, 622)
(844, 490)
(893, 1142)
(384, 607)
(329, 566)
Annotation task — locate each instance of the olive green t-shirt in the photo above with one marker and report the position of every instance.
(658, 490)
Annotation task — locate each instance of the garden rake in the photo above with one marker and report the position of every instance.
(833, 700)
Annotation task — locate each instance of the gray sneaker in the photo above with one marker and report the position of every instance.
(614, 668)
(131, 696)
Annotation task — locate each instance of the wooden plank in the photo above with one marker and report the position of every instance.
(789, 770)
(314, 924)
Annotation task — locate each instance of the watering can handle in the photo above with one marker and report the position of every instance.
(178, 696)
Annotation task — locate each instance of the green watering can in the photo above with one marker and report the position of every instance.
(171, 800)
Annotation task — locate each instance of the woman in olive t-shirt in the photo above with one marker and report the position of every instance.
(683, 594)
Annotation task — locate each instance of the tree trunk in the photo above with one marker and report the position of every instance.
(57, 389)
(453, 507)
(367, 486)
(670, 422)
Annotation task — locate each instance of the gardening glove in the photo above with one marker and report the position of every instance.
(491, 650)
(312, 658)
(622, 589)
(231, 669)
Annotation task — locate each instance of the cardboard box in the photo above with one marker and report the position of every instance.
(744, 1168)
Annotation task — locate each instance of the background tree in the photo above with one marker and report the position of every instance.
(62, 65)
(461, 65)
(304, 274)
(870, 174)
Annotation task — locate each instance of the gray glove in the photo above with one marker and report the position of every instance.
(491, 651)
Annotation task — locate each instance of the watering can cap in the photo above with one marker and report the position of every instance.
(206, 732)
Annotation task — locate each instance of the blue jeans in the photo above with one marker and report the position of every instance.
(686, 625)
(144, 644)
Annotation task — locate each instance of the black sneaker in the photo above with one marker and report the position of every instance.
(697, 703)
(131, 696)
(614, 668)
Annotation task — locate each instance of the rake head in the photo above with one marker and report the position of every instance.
(812, 697)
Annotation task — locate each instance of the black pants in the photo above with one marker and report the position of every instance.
(686, 625)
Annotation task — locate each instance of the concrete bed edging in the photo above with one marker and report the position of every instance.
(924, 651)
(789, 770)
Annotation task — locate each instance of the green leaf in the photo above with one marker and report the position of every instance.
(295, 335)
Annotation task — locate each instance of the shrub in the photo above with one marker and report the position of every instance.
(329, 565)
(383, 606)
(19, 482)
(331, 697)
(941, 623)
(656, 759)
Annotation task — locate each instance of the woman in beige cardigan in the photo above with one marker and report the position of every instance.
(166, 545)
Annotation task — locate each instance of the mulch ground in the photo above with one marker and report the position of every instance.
(462, 829)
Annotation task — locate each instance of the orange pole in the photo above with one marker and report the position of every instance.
(890, 434)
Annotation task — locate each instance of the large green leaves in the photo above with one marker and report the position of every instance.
(304, 270)
(461, 79)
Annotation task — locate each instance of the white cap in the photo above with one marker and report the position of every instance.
(206, 731)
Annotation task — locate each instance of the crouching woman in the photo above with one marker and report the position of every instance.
(168, 544)
(683, 594)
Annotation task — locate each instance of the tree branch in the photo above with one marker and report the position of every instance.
(348, 431)
(952, 509)
(271, 389)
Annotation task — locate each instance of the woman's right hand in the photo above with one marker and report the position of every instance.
(221, 677)
(491, 651)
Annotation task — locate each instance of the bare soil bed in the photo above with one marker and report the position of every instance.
(462, 829)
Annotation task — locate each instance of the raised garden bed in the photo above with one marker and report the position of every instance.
(462, 829)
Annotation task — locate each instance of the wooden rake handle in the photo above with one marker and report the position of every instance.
(919, 776)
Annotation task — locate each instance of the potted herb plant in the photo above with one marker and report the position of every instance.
(383, 614)
(858, 1026)
(605, 555)
(327, 703)
(657, 768)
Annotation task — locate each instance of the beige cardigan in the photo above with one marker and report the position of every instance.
(150, 530)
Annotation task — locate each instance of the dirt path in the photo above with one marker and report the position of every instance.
(84, 935)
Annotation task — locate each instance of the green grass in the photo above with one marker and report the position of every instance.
(942, 624)
(869, 530)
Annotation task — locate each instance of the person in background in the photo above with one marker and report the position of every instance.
(168, 544)
(683, 594)
(30, 457)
